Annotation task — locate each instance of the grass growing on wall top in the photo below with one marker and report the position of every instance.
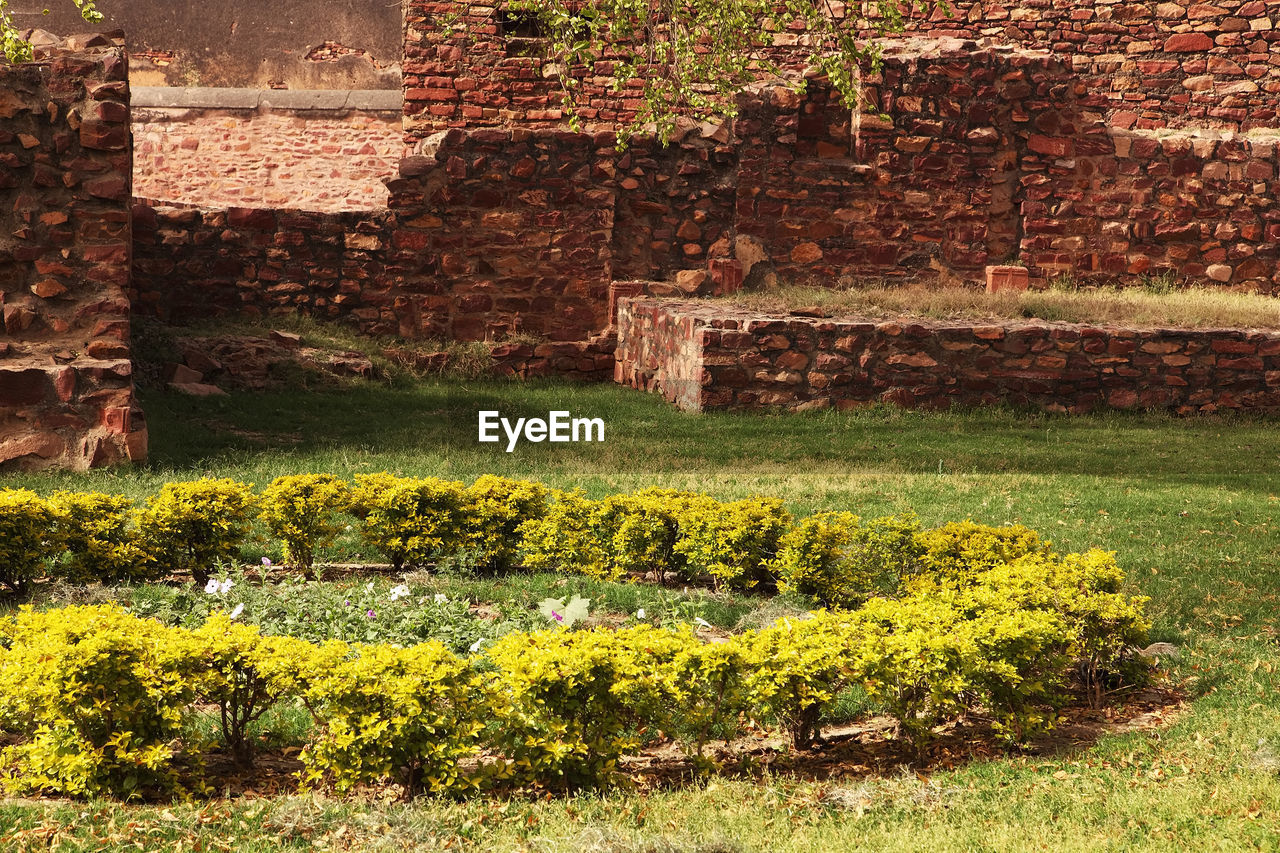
(1152, 303)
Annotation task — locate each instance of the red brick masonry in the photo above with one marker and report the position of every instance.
(705, 356)
(66, 378)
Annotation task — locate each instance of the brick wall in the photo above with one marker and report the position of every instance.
(707, 357)
(1201, 205)
(1177, 63)
(495, 233)
(328, 162)
(928, 190)
(193, 264)
(1180, 63)
(66, 386)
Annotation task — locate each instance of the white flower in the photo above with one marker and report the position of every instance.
(369, 586)
(225, 586)
(239, 609)
(400, 591)
(441, 598)
(475, 647)
(698, 620)
(211, 588)
(640, 613)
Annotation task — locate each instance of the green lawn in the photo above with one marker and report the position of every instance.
(1189, 505)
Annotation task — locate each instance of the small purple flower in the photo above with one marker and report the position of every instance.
(556, 615)
(371, 614)
(266, 561)
(346, 603)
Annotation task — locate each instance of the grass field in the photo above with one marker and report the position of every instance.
(1191, 507)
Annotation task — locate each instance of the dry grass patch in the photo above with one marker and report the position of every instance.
(1155, 304)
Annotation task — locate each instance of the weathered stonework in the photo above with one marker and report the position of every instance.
(494, 234)
(704, 356)
(66, 386)
(1142, 65)
(191, 264)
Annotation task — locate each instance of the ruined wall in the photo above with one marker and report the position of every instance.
(929, 189)
(495, 233)
(216, 148)
(294, 44)
(1180, 63)
(66, 387)
(704, 357)
(193, 264)
(1175, 63)
(1199, 205)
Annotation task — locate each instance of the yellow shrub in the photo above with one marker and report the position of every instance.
(732, 542)
(101, 544)
(836, 559)
(405, 715)
(559, 719)
(496, 507)
(641, 529)
(795, 669)
(102, 697)
(565, 539)
(28, 538)
(410, 521)
(964, 548)
(189, 526)
(302, 512)
(245, 674)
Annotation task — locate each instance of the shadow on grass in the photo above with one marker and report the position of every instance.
(439, 418)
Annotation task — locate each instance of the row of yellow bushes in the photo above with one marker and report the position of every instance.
(101, 702)
(834, 557)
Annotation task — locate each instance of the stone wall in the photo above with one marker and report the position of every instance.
(504, 232)
(494, 234)
(1202, 206)
(707, 357)
(1180, 63)
(66, 386)
(1175, 63)
(192, 264)
(216, 148)
(926, 187)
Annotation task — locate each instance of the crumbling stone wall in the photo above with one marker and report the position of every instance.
(1174, 63)
(1105, 202)
(66, 386)
(925, 186)
(1180, 63)
(193, 264)
(494, 233)
(707, 357)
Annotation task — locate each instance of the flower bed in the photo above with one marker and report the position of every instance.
(933, 625)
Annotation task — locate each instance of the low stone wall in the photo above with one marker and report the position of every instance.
(66, 380)
(324, 151)
(705, 356)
